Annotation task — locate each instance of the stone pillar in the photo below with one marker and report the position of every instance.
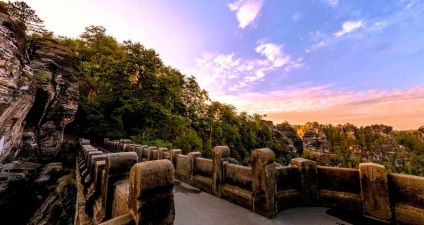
(84, 165)
(92, 167)
(153, 152)
(309, 179)
(263, 182)
(161, 151)
(97, 189)
(117, 168)
(174, 153)
(191, 156)
(145, 153)
(105, 140)
(139, 151)
(219, 155)
(151, 198)
(375, 191)
(85, 142)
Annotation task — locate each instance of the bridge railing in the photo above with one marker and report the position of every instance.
(265, 188)
(119, 190)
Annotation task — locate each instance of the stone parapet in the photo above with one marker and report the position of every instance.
(263, 182)
(265, 188)
(375, 191)
(309, 180)
(151, 199)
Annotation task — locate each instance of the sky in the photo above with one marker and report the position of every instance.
(330, 61)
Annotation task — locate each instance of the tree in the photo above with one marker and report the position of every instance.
(26, 14)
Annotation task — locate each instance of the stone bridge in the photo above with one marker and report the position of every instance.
(133, 184)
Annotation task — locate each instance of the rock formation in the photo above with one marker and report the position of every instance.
(18, 194)
(315, 139)
(420, 133)
(17, 88)
(38, 97)
(285, 142)
(295, 142)
(56, 102)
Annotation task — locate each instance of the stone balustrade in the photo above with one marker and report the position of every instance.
(130, 190)
(114, 188)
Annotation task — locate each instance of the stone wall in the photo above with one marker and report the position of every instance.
(265, 188)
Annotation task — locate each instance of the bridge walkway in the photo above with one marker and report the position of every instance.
(194, 207)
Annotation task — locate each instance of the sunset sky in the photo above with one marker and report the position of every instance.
(330, 61)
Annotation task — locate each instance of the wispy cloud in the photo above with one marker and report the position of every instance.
(273, 53)
(220, 73)
(246, 11)
(349, 26)
(296, 17)
(329, 104)
(321, 39)
(333, 3)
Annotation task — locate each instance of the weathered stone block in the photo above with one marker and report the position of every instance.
(93, 195)
(145, 154)
(263, 182)
(308, 177)
(219, 154)
(340, 187)
(289, 187)
(191, 156)
(117, 167)
(375, 191)
(161, 152)
(151, 199)
(202, 174)
(120, 199)
(182, 168)
(153, 152)
(407, 196)
(174, 153)
(237, 184)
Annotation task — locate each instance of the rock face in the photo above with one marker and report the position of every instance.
(55, 68)
(295, 142)
(59, 200)
(420, 133)
(24, 186)
(285, 142)
(18, 192)
(314, 138)
(17, 88)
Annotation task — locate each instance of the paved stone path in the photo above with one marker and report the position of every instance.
(195, 207)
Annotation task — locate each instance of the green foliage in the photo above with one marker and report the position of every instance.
(190, 142)
(27, 15)
(308, 154)
(42, 75)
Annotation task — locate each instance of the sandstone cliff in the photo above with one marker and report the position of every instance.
(38, 97)
(313, 137)
(55, 68)
(17, 88)
(285, 142)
